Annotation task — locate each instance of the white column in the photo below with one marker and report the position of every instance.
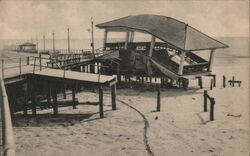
(152, 45)
(105, 39)
(211, 60)
(180, 71)
(126, 40)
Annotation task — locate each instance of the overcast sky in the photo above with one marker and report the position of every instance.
(26, 19)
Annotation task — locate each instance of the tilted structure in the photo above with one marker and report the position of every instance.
(172, 57)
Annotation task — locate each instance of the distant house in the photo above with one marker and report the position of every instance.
(27, 47)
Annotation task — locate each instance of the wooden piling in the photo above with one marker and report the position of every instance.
(64, 92)
(212, 103)
(205, 100)
(158, 107)
(224, 81)
(233, 81)
(211, 84)
(200, 82)
(28, 60)
(101, 102)
(113, 94)
(74, 96)
(40, 61)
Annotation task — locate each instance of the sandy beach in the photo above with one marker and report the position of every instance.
(135, 129)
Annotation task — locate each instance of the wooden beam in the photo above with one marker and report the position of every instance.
(101, 102)
(181, 65)
(113, 94)
(152, 45)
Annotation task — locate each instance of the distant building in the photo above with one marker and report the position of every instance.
(27, 47)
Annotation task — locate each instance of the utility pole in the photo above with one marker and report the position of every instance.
(44, 43)
(53, 41)
(68, 42)
(92, 37)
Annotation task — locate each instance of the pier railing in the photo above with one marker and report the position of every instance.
(7, 129)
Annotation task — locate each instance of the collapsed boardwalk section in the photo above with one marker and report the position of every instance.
(50, 82)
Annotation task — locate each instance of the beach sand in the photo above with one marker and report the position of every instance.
(135, 129)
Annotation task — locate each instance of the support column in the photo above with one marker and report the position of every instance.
(113, 94)
(105, 39)
(74, 96)
(152, 45)
(132, 34)
(211, 60)
(126, 40)
(101, 102)
(180, 71)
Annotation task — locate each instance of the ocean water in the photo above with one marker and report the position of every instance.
(238, 46)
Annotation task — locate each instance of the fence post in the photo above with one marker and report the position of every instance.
(101, 102)
(158, 108)
(74, 96)
(214, 76)
(40, 61)
(212, 103)
(20, 66)
(205, 100)
(233, 81)
(224, 81)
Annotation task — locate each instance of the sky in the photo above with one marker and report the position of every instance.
(31, 18)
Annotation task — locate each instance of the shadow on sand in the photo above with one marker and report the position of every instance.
(50, 120)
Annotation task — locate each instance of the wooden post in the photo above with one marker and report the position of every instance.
(200, 82)
(224, 81)
(214, 76)
(113, 94)
(180, 70)
(158, 108)
(101, 102)
(20, 66)
(205, 100)
(68, 41)
(54, 96)
(40, 61)
(152, 45)
(28, 60)
(74, 96)
(212, 103)
(53, 34)
(211, 60)
(233, 81)
(211, 84)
